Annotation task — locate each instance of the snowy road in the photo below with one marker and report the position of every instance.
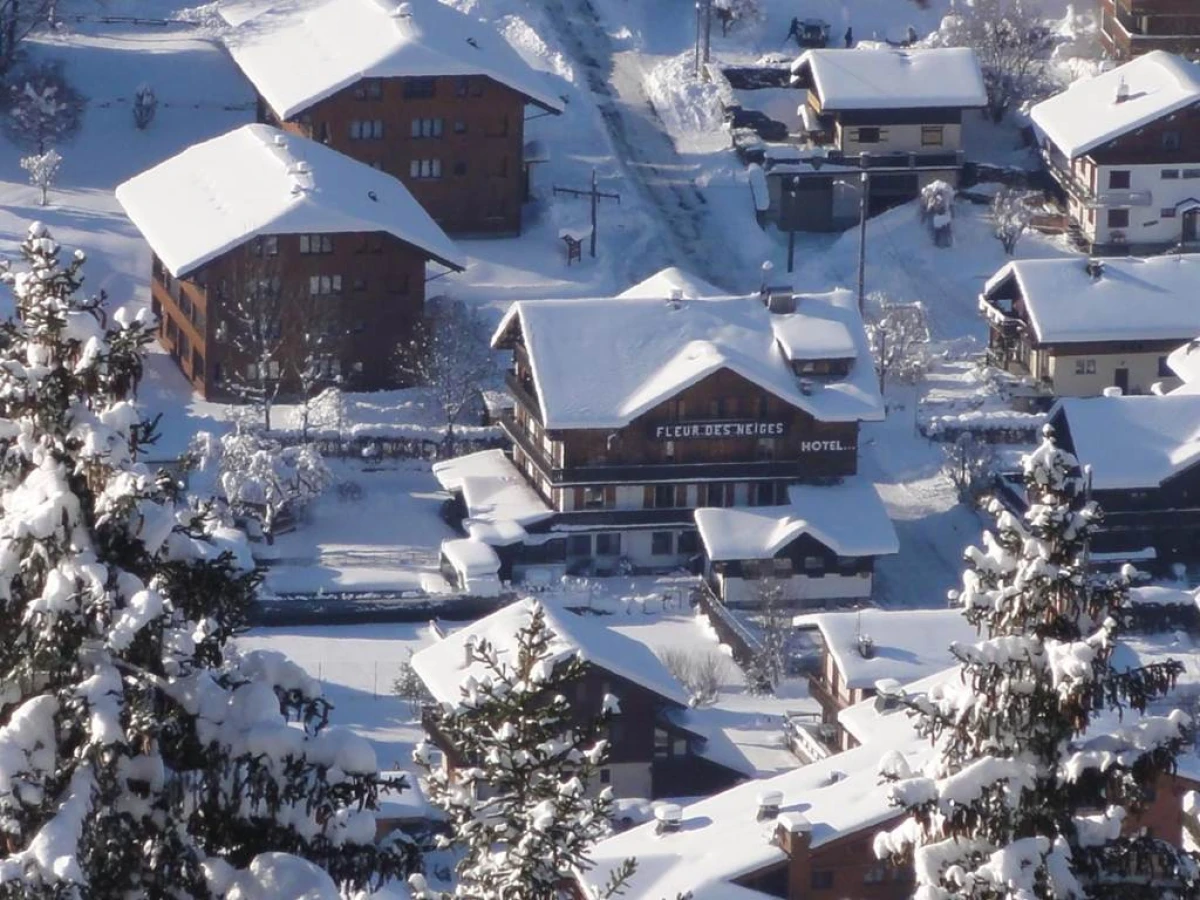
(645, 151)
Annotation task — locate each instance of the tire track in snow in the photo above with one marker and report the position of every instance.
(646, 153)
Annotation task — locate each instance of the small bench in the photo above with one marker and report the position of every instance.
(574, 238)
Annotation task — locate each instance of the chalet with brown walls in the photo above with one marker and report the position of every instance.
(1124, 147)
(1066, 325)
(658, 745)
(895, 115)
(416, 89)
(1130, 28)
(640, 423)
(315, 236)
(809, 834)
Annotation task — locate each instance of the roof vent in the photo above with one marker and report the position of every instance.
(806, 387)
(280, 141)
(402, 11)
(668, 818)
(371, 195)
(781, 301)
(769, 803)
(1112, 391)
(675, 300)
(1122, 89)
(866, 646)
(1095, 268)
(888, 695)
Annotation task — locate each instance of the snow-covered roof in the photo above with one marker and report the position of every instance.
(720, 840)
(1185, 362)
(908, 643)
(1066, 304)
(256, 180)
(499, 500)
(662, 283)
(1089, 112)
(471, 558)
(601, 363)
(298, 52)
(443, 666)
(848, 518)
(894, 79)
(1133, 442)
(814, 335)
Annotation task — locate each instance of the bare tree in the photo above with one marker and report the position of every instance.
(767, 667)
(19, 19)
(1011, 217)
(317, 346)
(42, 169)
(451, 354)
(899, 336)
(43, 108)
(253, 331)
(1012, 42)
(702, 672)
(970, 465)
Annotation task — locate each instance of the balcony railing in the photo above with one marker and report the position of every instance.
(523, 392)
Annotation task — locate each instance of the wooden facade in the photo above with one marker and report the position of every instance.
(1130, 28)
(368, 289)
(456, 142)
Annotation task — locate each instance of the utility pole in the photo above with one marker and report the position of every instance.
(595, 195)
(703, 34)
(864, 192)
(792, 189)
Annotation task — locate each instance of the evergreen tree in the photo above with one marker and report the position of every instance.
(520, 802)
(1025, 797)
(140, 755)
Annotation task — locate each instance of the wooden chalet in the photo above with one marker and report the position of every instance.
(894, 114)
(631, 414)
(1124, 147)
(659, 747)
(1066, 323)
(417, 89)
(316, 236)
(1130, 28)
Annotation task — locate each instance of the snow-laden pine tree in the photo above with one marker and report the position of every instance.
(1033, 777)
(522, 803)
(140, 755)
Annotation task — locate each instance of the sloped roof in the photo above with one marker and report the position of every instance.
(1185, 362)
(255, 180)
(1133, 442)
(1132, 299)
(848, 518)
(298, 52)
(443, 666)
(601, 363)
(662, 283)
(499, 499)
(894, 79)
(1088, 113)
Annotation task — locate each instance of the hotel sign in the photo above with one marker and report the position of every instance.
(686, 431)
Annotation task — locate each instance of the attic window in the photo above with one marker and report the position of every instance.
(418, 88)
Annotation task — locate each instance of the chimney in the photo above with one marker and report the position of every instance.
(806, 387)
(1095, 268)
(769, 803)
(793, 835)
(280, 141)
(668, 818)
(781, 301)
(1122, 89)
(676, 299)
(866, 646)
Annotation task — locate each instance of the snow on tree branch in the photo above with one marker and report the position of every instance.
(42, 169)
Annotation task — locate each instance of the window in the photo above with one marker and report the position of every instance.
(321, 285)
(782, 567)
(1167, 212)
(689, 542)
(606, 776)
(593, 498)
(185, 346)
(371, 243)
(931, 135)
(462, 85)
(366, 129)
(814, 564)
(1191, 173)
(1164, 371)
(669, 451)
(679, 747)
(172, 329)
(662, 743)
(369, 89)
(185, 305)
(1171, 140)
(1118, 180)
(460, 127)
(265, 246)
(425, 168)
(764, 449)
(875, 873)
(358, 284)
(418, 88)
(664, 496)
(460, 168)
(1118, 218)
(316, 243)
(822, 879)
(608, 544)
(1085, 367)
(868, 136)
(660, 543)
(579, 545)
(1169, 174)
(427, 128)
(716, 408)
